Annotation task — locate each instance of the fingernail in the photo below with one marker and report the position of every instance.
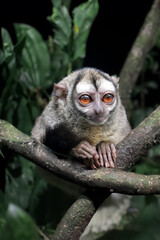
(112, 166)
(106, 165)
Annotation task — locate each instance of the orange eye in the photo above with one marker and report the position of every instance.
(85, 99)
(108, 98)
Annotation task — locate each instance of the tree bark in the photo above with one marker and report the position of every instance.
(147, 184)
(144, 42)
(129, 151)
(141, 139)
(73, 220)
(76, 220)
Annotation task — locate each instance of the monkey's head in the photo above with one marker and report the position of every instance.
(89, 93)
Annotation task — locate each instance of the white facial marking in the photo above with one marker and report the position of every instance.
(106, 85)
(84, 87)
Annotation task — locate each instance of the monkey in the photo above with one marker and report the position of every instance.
(85, 118)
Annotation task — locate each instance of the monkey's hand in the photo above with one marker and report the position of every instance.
(88, 153)
(107, 154)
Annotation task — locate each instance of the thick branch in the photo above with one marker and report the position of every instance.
(76, 217)
(142, 45)
(82, 205)
(146, 184)
(129, 151)
(146, 134)
(129, 75)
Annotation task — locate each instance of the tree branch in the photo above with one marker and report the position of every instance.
(81, 211)
(142, 45)
(136, 144)
(129, 151)
(140, 183)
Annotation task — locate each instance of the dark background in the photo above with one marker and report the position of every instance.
(112, 34)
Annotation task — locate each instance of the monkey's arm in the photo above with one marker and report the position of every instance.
(61, 140)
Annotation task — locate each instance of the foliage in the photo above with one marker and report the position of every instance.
(15, 223)
(142, 220)
(143, 213)
(29, 67)
(145, 99)
(70, 36)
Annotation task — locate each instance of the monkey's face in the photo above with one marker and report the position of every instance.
(95, 100)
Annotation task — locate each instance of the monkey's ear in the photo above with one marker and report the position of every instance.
(60, 90)
(117, 82)
(117, 79)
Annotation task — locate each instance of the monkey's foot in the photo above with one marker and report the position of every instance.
(107, 154)
(88, 153)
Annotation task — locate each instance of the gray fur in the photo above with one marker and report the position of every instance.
(63, 111)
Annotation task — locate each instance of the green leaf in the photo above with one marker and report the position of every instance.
(3, 209)
(2, 57)
(1, 153)
(3, 205)
(158, 43)
(18, 48)
(24, 117)
(61, 20)
(83, 17)
(60, 64)
(152, 84)
(20, 182)
(35, 61)
(7, 44)
(19, 225)
(59, 3)
(69, 44)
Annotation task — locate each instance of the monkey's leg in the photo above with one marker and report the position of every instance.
(88, 153)
(107, 154)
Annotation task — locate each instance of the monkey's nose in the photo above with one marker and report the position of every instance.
(98, 111)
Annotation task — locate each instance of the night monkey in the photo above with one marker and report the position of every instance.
(85, 118)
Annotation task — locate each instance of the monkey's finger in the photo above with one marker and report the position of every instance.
(82, 156)
(113, 149)
(95, 159)
(100, 157)
(85, 153)
(87, 145)
(90, 150)
(109, 156)
(93, 148)
(89, 163)
(93, 167)
(97, 164)
(104, 155)
(95, 156)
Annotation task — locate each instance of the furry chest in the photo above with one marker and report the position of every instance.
(95, 136)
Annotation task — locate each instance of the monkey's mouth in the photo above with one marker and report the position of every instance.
(97, 119)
